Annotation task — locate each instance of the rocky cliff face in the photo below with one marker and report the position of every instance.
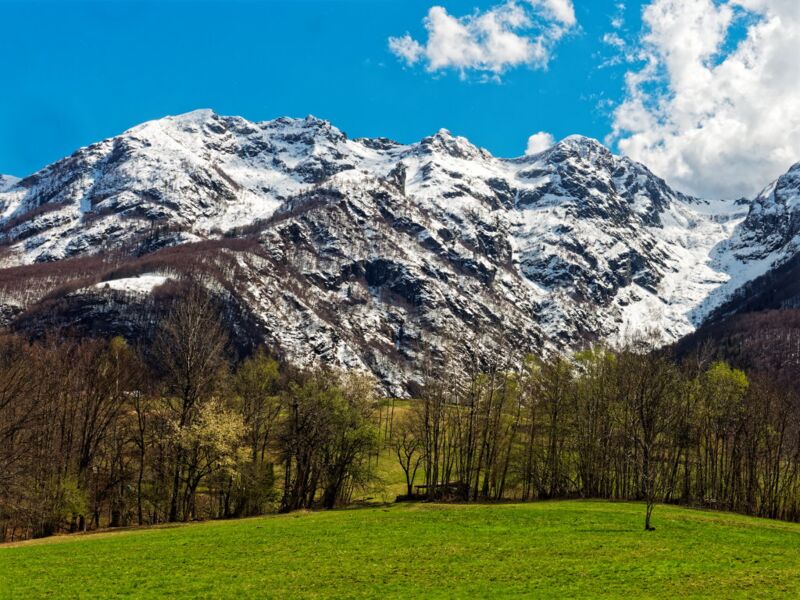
(773, 221)
(375, 255)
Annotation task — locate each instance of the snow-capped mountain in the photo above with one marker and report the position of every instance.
(7, 181)
(371, 254)
(773, 223)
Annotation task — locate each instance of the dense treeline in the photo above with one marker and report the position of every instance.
(97, 433)
(766, 342)
(628, 424)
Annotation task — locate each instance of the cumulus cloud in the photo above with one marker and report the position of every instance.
(406, 48)
(714, 104)
(490, 42)
(561, 10)
(539, 142)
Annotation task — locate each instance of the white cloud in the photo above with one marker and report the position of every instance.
(560, 10)
(613, 39)
(618, 19)
(716, 118)
(406, 48)
(539, 142)
(505, 36)
(619, 46)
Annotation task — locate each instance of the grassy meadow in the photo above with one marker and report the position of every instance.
(539, 550)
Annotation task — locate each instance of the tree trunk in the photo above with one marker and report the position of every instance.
(176, 484)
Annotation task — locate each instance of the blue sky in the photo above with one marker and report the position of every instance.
(75, 72)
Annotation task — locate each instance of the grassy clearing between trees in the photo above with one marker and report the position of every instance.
(540, 550)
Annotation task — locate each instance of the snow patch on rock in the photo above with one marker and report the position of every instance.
(140, 284)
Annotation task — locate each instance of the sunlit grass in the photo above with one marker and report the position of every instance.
(542, 550)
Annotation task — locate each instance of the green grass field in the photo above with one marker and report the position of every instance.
(542, 550)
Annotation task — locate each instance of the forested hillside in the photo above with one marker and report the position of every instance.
(101, 432)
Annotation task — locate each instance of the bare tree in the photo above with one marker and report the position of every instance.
(408, 450)
(189, 349)
(649, 391)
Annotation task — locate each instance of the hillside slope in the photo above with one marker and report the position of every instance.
(758, 326)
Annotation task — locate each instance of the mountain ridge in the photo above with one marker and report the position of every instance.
(428, 244)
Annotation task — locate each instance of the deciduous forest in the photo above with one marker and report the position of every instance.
(99, 433)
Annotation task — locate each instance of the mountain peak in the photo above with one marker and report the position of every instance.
(199, 114)
(7, 182)
(456, 146)
(198, 117)
(312, 120)
(582, 144)
(310, 127)
(188, 121)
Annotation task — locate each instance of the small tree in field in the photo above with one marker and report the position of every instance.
(408, 450)
(649, 385)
